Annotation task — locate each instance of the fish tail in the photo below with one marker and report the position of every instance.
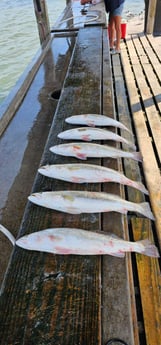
(8, 234)
(125, 128)
(131, 145)
(148, 248)
(144, 208)
(137, 156)
(139, 186)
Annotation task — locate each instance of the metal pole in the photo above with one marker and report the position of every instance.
(42, 20)
(151, 16)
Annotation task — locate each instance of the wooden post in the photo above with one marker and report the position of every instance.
(151, 16)
(42, 20)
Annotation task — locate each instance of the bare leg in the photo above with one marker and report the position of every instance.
(111, 31)
(117, 20)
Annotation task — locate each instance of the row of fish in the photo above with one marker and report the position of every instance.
(76, 202)
(78, 241)
(84, 150)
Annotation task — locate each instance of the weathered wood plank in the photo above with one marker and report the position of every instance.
(55, 298)
(151, 169)
(131, 170)
(148, 269)
(150, 77)
(121, 320)
(150, 283)
(151, 16)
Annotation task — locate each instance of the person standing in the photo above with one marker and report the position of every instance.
(115, 9)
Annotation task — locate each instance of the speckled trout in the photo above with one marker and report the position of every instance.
(80, 242)
(84, 150)
(89, 134)
(93, 120)
(76, 202)
(88, 173)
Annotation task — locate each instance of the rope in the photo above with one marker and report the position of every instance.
(94, 17)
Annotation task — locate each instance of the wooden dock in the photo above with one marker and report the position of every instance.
(52, 299)
(137, 85)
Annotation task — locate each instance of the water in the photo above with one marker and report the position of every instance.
(133, 7)
(19, 39)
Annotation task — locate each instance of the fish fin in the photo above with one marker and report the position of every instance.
(137, 156)
(72, 210)
(146, 211)
(86, 138)
(142, 188)
(138, 185)
(149, 249)
(123, 211)
(133, 146)
(90, 124)
(109, 234)
(118, 254)
(8, 234)
(78, 180)
(81, 156)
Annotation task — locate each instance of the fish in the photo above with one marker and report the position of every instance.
(77, 202)
(89, 134)
(80, 242)
(88, 173)
(84, 150)
(93, 120)
(75, 241)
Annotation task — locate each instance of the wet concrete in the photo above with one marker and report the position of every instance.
(22, 144)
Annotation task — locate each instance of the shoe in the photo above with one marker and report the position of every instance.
(115, 51)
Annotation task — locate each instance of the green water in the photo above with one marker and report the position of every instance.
(19, 39)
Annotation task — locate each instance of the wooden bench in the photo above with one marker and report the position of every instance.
(68, 299)
(54, 299)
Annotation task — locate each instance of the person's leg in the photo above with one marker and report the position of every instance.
(111, 31)
(117, 24)
(116, 20)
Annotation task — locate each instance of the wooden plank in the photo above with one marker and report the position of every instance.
(151, 169)
(121, 320)
(54, 298)
(150, 108)
(139, 49)
(42, 19)
(156, 44)
(131, 170)
(151, 78)
(151, 16)
(150, 282)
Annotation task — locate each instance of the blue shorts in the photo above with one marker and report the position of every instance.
(118, 11)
